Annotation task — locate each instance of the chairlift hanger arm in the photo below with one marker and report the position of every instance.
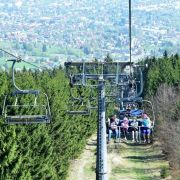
(18, 90)
(152, 108)
(80, 98)
(14, 60)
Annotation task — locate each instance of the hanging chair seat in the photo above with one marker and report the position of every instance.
(27, 119)
(26, 113)
(78, 112)
(83, 112)
(35, 92)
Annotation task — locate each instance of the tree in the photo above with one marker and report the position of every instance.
(167, 101)
(24, 46)
(42, 151)
(165, 54)
(108, 58)
(44, 48)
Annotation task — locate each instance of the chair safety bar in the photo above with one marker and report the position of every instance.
(139, 131)
(130, 99)
(78, 112)
(27, 119)
(16, 92)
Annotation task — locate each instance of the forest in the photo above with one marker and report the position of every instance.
(45, 151)
(42, 151)
(162, 87)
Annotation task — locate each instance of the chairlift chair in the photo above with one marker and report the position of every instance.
(14, 112)
(78, 107)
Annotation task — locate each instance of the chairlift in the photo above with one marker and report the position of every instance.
(132, 90)
(111, 91)
(131, 105)
(15, 112)
(75, 97)
(81, 108)
(141, 105)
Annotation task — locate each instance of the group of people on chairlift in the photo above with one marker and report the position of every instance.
(135, 126)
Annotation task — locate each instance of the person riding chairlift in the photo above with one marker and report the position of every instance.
(113, 123)
(125, 126)
(146, 124)
(134, 129)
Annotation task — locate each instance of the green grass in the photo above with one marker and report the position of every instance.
(140, 162)
(128, 161)
(165, 172)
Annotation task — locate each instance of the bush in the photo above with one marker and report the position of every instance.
(165, 172)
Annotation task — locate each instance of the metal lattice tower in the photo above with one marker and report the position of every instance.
(118, 80)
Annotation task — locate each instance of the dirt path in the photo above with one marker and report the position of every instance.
(126, 161)
(84, 167)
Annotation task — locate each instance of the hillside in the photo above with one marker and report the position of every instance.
(162, 87)
(46, 151)
(85, 29)
(42, 151)
(125, 161)
(129, 161)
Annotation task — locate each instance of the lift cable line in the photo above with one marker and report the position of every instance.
(130, 36)
(19, 59)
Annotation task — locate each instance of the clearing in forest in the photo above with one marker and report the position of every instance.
(126, 161)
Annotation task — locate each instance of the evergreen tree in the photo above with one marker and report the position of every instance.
(42, 151)
(44, 48)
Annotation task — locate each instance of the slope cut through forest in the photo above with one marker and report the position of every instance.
(125, 161)
(46, 151)
(156, 161)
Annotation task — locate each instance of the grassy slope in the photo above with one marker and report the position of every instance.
(125, 161)
(84, 166)
(136, 162)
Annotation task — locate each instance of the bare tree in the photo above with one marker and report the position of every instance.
(167, 106)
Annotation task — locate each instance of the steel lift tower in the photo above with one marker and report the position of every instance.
(101, 160)
(118, 80)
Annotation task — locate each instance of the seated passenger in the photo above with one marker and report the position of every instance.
(125, 126)
(113, 123)
(146, 124)
(116, 119)
(134, 129)
(128, 108)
